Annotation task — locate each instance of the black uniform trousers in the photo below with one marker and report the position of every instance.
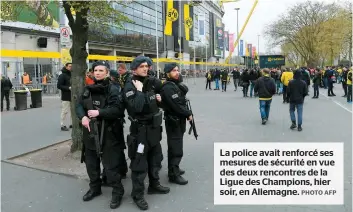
(5, 94)
(111, 165)
(175, 133)
(149, 162)
(121, 157)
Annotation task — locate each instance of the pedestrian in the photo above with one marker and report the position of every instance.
(253, 76)
(245, 82)
(224, 78)
(296, 92)
(287, 75)
(329, 75)
(217, 77)
(236, 77)
(208, 79)
(64, 84)
(316, 83)
(175, 112)
(144, 149)
(265, 87)
(344, 81)
(100, 103)
(349, 86)
(6, 86)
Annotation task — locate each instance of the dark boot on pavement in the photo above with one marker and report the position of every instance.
(115, 202)
(181, 172)
(300, 128)
(64, 128)
(178, 180)
(157, 189)
(91, 194)
(293, 126)
(264, 121)
(70, 126)
(141, 203)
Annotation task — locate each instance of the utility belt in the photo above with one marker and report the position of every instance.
(154, 120)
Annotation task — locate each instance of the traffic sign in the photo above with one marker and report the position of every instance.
(65, 35)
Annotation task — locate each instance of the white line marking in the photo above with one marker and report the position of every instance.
(337, 103)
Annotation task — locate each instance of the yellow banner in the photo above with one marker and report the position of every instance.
(171, 16)
(188, 21)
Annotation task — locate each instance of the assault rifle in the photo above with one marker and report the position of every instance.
(94, 126)
(192, 122)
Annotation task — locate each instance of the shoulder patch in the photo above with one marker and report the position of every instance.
(175, 96)
(130, 93)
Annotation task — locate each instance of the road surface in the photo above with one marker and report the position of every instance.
(220, 117)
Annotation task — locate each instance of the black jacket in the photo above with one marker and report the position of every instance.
(106, 98)
(245, 78)
(265, 86)
(6, 84)
(174, 100)
(297, 89)
(64, 84)
(236, 74)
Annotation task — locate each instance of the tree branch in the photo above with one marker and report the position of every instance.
(67, 8)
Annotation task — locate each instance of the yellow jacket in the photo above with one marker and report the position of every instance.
(349, 82)
(286, 77)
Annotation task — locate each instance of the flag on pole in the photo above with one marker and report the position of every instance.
(241, 48)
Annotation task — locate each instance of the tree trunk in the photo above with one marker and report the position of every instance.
(79, 67)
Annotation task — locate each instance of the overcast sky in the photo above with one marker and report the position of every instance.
(266, 12)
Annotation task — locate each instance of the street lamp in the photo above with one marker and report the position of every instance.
(237, 9)
(258, 45)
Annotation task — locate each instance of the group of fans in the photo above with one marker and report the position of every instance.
(317, 78)
(292, 84)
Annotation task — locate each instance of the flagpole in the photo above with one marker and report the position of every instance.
(157, 49)
(180, 43)
(204, 13)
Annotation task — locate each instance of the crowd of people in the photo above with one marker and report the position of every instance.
(294, 85)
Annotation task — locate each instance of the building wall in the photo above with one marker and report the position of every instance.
(12, 67)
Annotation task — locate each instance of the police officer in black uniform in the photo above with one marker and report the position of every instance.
(144, 148)
(175, 112)
(107, 107)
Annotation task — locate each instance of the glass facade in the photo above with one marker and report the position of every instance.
(140, 34)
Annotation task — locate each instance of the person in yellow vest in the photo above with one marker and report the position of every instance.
(44, 82)
(285, 78)
(349, 86)
(26, 79)
(208, 79)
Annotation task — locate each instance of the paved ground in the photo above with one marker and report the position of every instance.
(220, 117)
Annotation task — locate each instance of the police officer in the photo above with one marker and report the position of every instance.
(144, 148)
(175, 112)
(119, 128)
(101, 104)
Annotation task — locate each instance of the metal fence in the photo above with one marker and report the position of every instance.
(36, 69)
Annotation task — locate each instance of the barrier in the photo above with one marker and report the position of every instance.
(57, 55)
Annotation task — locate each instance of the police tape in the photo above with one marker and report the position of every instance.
(52, 55)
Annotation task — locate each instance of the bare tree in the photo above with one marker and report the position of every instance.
(300, 27)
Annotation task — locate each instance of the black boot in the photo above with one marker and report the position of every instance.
(141, 203)
(115, 202)
(178, 180)
(293, 126)
(157, 189)
(91, 194)
(300, 128)
(181, 172)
